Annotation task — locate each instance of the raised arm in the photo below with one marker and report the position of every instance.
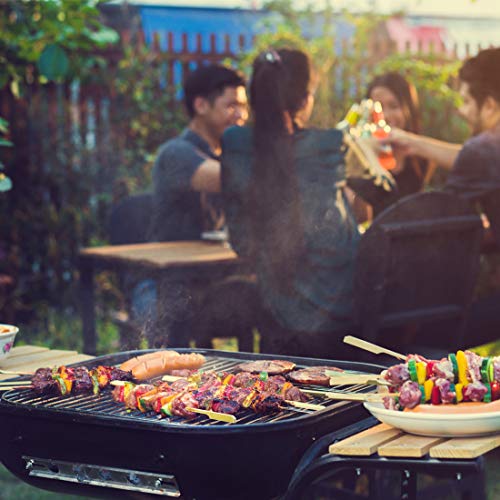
(441, 152)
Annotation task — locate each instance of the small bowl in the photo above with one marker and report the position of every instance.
(7, 335)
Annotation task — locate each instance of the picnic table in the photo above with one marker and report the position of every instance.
(28, 358)
(197, 263)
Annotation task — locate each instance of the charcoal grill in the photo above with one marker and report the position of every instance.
(92, 446)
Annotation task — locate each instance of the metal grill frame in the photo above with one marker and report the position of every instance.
(207, 459)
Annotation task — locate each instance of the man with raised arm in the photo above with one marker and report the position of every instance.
(475, 166)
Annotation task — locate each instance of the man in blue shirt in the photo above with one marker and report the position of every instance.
(186, 174)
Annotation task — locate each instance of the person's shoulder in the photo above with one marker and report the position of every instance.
(319, 141)
(486, 139)
(174, 145)
(237, 139)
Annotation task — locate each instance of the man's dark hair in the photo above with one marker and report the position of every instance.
(209, 82)
(482, 74)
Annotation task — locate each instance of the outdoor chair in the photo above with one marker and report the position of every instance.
(130, 219)
(129, 223)
(417, 266)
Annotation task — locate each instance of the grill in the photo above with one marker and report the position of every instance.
(93, 446)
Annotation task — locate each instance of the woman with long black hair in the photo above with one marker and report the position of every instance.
(286, 209)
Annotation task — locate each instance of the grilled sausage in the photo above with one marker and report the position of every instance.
(160, 362)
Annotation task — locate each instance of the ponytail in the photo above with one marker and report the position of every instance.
(278, 88)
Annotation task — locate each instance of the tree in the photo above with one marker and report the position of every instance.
(49, 40)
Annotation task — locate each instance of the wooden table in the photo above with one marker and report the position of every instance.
(380, 447)
(28, 358)
(188, 261)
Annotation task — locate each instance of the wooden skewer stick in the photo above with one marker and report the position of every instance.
(11, 388)
(7, 372)
(356, 379)
(375, 349)
(215, 415)
(351, 396)
(9, 383)
(305, 406)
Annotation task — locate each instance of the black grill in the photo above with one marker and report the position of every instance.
(112, 450)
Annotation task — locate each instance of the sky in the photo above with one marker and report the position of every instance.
(466, 8)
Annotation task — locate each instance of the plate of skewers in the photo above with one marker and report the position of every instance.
(457, 396)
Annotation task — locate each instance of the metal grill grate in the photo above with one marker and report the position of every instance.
(104, 404)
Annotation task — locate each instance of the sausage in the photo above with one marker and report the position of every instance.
(457, 409)
(159, 362)
(129, 364)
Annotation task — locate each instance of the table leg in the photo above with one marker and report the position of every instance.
(87, 301)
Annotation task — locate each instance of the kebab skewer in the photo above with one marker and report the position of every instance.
(461, 377)
(65, 381)
(226, 394)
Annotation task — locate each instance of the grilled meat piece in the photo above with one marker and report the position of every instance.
(271, 367)
(229, 406)
(295, 394)
(179, 405)
(397, 374)
(130, 397)
(314, 375)
(267, 402)
(117, 374)
(475, 391)
(43, 382)
(409, 394)
(244, 379)
(82, 382)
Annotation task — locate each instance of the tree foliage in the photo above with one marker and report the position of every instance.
(56, 36)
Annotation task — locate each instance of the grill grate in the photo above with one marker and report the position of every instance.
(103, 404)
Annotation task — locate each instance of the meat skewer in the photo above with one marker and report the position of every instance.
(65, 381)
(460, 377)
(226, 394)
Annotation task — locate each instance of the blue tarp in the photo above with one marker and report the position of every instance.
(233, 22)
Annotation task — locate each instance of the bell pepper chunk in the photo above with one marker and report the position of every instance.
(495, 390)
(412, 369)
(428, 386)
(462, 367)
(435, 396)
(453, 360)
(421, 372)
(459, 395)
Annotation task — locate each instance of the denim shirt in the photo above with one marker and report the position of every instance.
(321, 299)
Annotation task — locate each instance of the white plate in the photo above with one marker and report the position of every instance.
(440, 425)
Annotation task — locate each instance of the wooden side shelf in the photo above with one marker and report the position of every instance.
(390, 442)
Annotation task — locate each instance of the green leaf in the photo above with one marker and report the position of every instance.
(104, 36)
(53, 62)
(5, 142)
(5, 183)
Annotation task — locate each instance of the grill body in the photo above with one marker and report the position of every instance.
(96, 440)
